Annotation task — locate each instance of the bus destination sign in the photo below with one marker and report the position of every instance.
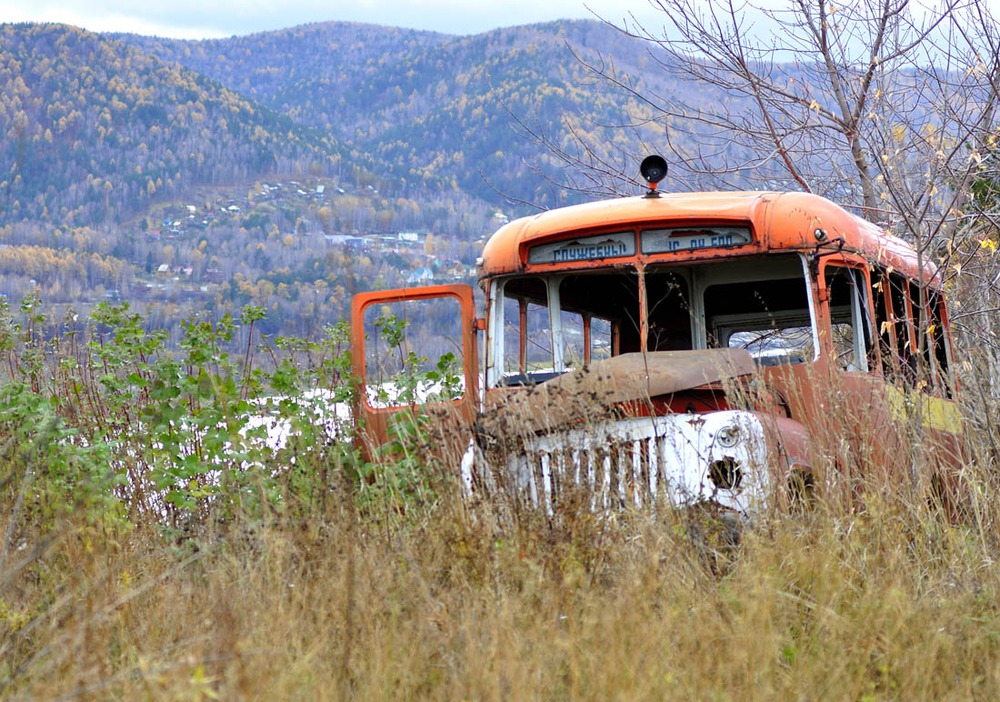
(692, 239)
(590, 248)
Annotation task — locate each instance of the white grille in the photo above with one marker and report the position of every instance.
(637, 462)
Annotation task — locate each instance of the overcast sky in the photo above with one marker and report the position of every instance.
(199, 19)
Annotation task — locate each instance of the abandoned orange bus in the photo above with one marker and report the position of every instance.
(710, 347)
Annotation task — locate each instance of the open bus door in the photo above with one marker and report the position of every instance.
(414, 357)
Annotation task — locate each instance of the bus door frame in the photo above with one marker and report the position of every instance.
(372, 423)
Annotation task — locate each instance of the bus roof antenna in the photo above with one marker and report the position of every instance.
(653, 169)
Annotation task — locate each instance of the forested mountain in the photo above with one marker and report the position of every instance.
(95, 129)
(98, 127)
(430, 107)
(193, 176)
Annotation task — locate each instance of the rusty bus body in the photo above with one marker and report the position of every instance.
(713, 347)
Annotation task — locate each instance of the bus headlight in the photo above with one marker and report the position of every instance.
(727, 437)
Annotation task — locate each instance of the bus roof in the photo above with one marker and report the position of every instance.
(780, 222)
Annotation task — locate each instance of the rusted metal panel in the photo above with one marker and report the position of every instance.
(610, 382)
(781, 221)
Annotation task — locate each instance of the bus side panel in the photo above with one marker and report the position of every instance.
(870, 433)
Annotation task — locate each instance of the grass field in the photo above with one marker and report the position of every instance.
(298, 580)
(891, 602)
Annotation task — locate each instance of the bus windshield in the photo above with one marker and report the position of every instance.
(544, 325)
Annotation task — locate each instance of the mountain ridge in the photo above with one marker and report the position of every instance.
(93, 126)
(420, 109)
(468, 90)
(129, 174)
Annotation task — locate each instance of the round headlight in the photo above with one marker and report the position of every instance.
(728, 437)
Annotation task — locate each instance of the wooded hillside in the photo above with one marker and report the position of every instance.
(216, 174)
(96, 130)
(426, 107)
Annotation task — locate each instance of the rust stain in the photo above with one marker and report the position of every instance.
(630, 377)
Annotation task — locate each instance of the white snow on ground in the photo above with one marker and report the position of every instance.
(336, 417)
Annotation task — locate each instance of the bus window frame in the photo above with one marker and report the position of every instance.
(697, 276)
(905, 324)
(940, 341)
(866, 350)
(701, 280)
(497, 371)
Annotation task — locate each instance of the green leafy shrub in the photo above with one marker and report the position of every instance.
(184, 437)
(47, 469)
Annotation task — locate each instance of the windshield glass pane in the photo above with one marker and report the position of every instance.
(595, 312)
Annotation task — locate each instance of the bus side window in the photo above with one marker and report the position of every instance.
(933, 372)
(883, 327)
(892, 327)
(850, 317)
(903, 325)
(938, 344)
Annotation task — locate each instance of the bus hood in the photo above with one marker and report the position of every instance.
(591, 390)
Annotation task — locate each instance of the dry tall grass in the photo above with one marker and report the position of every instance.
(890, 602)
(343, 591)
